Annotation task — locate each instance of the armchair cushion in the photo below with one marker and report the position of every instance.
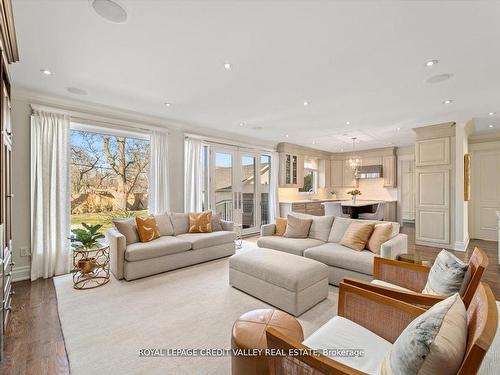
(446, 276)
(433, 343)
(336, 255)
(341, 333)
(203, 240)
(389, 285)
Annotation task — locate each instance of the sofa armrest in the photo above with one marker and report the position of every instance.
(361, 306)
(117, 246)
(395, 246)
(227, 225)
(267, 229)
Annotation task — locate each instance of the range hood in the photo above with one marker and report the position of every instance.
(369, 171)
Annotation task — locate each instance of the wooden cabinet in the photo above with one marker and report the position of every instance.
(389, 170)
(291, 170)
(430, 152)
(348, 175)
(337, 173)
(311, 208)
(374, 160)
(324, 171)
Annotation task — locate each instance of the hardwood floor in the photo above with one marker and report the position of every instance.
(34, 340)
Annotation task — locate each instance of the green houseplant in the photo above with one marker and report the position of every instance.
(86, 238)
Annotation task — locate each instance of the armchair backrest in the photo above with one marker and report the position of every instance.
(333, 209)
(482, 322)
(380, 211)
(477, 264)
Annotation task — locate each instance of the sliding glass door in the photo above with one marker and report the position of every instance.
(240, 186)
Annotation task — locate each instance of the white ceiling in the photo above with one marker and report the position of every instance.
(361, 62)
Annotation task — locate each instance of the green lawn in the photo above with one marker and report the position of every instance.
(103, 218)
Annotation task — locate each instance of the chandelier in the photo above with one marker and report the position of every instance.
(354, 160)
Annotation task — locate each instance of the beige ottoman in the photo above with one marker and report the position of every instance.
(290, 282)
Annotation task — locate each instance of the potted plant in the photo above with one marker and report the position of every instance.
(86, 238)
(354, 193)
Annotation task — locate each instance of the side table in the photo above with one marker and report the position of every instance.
(90, 267)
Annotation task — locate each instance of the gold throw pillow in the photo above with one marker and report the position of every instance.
(147, 228)
(200, 222)
(382, 233)
(280, 226)
(357, 234)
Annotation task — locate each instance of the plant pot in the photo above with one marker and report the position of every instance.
(87, 265)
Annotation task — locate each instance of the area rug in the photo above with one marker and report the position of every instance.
(105, 328)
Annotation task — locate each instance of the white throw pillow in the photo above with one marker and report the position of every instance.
(447, 275)
(433, 343)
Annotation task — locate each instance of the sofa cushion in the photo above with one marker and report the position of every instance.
(127, 227)
(320, 227)
(336, 255)
(357, 235)
(280, 226)
(200, 222)
(203, 240)
(180, 222)
(341, 333)
(340, 225)
(287, 271)
(297, 227)
(433, 343)
(162, 246)
(147, 228)
(294, 246)
(381, 233)
(446, 275)
(164, 224)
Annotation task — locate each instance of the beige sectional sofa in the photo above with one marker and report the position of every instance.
(175, 248)
(323, 245)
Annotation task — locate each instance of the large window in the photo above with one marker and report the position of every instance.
(109, 177)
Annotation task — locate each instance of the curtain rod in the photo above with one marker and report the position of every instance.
(100, 119)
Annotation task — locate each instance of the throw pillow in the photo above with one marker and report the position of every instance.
(280, 226)
(433, 343)
(128, 228)
(320, 227)
(164, 225)
(382, 233)
(340, 225)
(357, 234)
(446, 276)
(147, 228)
(200, 222)
(216, 222)
(297, 228)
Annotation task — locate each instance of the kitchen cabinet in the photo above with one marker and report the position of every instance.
(389, 170)
(375, 160)
(324, 171)
(310, 207)
(337, 173)
(349, 179)
(291, 170)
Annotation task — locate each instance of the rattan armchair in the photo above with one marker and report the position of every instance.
(413, 277)
(373, 311)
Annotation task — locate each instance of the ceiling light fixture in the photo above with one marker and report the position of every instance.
(242, 123)
(306, 103)
(347, 123)
(491, 113)
(168, 104)
(431, 63)
(46, 72)
(448, 101)
(110, 10)
(354, 160)
(227, 66)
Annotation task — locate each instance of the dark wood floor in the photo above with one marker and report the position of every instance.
(34, 340)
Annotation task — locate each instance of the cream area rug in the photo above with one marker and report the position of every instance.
(105, 328)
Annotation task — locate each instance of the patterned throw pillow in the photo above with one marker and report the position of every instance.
(446, 276)
(216, 222)
(280, 226)
(147, 228)
(200, 222)
(433, 343)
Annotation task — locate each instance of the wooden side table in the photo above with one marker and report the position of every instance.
(90, 267)
(249, 332)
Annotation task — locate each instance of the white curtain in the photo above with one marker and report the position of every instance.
(158, 174)
(193, 176)
(274, 207)
(50, 194)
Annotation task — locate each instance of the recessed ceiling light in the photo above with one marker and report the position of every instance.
(227, 66)
(306, 103)
(110, 10)
(398, 129)
(76, 91)
(491, 113)
(491, 125)
(168, 104)
(313, 142)
(286, 135)
(242, 123)
(448, 101)
(347, 123)
(439, 78)
(46, 72)
(431, 63)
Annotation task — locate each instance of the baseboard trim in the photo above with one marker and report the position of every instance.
(462, 245)
(21, 273)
